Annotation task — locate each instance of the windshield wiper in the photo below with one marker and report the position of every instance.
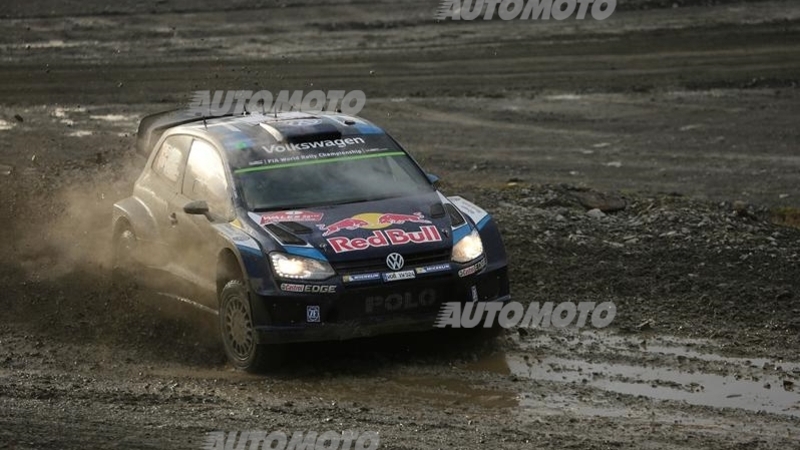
(372, 199)
(321, 205)
(269, 209)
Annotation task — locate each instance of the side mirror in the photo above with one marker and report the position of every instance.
(197, 208)
(432, 178)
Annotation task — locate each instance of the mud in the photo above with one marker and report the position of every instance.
(684, 113)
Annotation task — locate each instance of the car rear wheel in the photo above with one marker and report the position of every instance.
(123, 263)
(238, 334)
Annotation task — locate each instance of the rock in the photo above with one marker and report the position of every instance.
(739, 205)
(599, 200)
(743, 209)
(595, 213)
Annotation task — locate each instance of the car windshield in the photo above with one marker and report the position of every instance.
(333, 181)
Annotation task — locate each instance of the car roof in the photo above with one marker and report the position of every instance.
(260, 139)
(290, 123)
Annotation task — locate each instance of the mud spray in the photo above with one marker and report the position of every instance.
(55, 265)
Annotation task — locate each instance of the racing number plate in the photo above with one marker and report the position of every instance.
(397, 276)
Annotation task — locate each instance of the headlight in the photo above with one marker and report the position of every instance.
(300, 268)
(468, 248)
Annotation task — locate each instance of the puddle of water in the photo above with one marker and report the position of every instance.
(62, 112)
(693, 386)
(80, 133)
(661, 346)
(494, 363)
(564, 97)
(748, 362)
(111, 117)
(53, 43)
(667, 384)
(452, 391)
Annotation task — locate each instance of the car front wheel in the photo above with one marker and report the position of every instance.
(238, 334)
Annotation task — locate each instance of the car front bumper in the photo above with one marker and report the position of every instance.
(372, 309)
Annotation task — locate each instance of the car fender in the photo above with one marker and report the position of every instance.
(248, 252)
(493, 245)
(139, 217)
(487, 228)
(252, 261)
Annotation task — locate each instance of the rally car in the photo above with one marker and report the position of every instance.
(305, 227)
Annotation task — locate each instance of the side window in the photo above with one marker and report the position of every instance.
(205, 177)
(167, 162)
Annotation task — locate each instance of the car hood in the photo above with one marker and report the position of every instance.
(364, 230)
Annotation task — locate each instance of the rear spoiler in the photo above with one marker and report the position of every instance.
(152, 127)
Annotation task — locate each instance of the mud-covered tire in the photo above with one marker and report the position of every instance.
(123, 263)
(236, 329)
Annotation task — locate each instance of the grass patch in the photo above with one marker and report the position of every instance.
(786, 216)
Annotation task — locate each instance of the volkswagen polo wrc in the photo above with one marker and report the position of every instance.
(305, 227)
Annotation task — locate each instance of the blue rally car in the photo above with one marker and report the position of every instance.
(306, 227)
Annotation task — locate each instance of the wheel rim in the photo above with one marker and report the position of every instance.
(238, 328)
(126, 243)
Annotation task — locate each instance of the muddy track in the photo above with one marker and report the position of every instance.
(686, 115)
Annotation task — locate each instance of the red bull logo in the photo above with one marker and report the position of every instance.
(372, 221)
(384, 238)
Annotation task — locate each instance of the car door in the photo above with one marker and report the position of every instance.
(157, 188)
(196, 241)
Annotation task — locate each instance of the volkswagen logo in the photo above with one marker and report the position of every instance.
(395, 261)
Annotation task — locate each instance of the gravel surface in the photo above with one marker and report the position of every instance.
(650, 160)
